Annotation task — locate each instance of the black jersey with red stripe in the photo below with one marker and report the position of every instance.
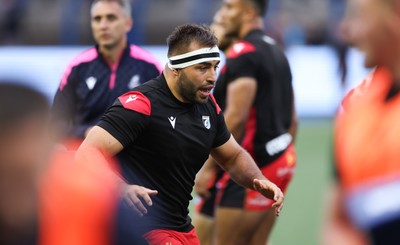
(165, 142)
(266, 134)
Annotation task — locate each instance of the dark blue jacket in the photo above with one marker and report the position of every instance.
(90, 85)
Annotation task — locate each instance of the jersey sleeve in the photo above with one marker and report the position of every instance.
(223, 135)
(242, 61)
(127, 118)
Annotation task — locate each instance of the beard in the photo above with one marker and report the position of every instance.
(188, 90)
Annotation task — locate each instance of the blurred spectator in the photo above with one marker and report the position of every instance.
(11, 16)
(95, 78)
(24, 147)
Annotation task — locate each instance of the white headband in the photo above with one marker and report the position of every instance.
(194, 57)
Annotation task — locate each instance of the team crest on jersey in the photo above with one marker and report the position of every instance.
(206, 122)
(90, 82)
(134, 82)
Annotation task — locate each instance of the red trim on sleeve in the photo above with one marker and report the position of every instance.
(216, 104)
(136, 101)
(240, 48)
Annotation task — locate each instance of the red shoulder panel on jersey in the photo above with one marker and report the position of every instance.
(136, 101)
(240, 48)
(215, 103)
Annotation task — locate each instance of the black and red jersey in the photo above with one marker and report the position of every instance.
(165, 143)
(266, 134)
(90, 85)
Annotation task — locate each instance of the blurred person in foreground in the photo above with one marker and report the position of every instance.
(47, 198)
(80, 204)
(96, 77)
(24, 149)
(364, 205)
(255, 92)
(205, 204)
(165, 130)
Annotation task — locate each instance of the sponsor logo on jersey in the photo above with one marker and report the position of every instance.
(91, 82)
(172, 120)
(278, 144)
(269, 40)
(206, 122)
(131, 98)
(134, 82)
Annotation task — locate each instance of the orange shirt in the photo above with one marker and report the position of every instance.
(77, 202)
(367, 134)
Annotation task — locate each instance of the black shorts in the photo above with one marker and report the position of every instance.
(386, 234)
(207, 206)
(280, 172)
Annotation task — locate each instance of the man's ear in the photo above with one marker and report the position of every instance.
(176, 72)
(128, 24)
(249, 12)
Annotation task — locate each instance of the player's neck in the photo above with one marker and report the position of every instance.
(257, 23)
(112, 55)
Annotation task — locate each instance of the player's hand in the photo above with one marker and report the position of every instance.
(134, 195)
(271, 191)
(203, 178)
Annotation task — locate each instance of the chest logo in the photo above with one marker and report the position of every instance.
(91, 82)
(134, 82)
(206, 122)
(172, 120)
(131, 98)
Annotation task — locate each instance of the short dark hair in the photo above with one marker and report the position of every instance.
(18, 103)
(260, 5)
(180, 39)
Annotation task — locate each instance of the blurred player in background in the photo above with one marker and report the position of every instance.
(24, 148)
(205, 203)
(95, 78)
(255, 92)
(365, 202)
(166, 129)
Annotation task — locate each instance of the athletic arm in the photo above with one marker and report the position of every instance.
(241, 94)
(244, 171)
(97, 147)
(240, 97)
(126, 119)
